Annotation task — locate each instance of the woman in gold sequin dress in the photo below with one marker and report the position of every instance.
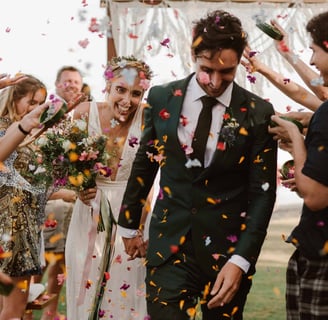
(20, 201)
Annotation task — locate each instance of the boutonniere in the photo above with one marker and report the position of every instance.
(228, 131)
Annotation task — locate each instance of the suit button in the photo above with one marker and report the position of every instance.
(193, 210)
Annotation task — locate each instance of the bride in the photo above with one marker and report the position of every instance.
(101, 281)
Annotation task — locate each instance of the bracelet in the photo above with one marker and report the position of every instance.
(24, 132)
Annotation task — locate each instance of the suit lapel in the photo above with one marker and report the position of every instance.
(176, 95)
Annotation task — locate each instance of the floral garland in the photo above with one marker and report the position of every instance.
(130, 62)
(129, 67)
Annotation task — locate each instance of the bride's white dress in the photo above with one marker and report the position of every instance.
(123, 296)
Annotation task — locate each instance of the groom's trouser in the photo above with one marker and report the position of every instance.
(175, 287)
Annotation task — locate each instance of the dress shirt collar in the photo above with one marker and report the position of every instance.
(197, 92)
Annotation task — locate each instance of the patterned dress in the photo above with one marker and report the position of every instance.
(21, 208)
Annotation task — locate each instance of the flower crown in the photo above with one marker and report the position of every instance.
(117, 63)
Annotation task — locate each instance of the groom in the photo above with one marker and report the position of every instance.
(217, 182)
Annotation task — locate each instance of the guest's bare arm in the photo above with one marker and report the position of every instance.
(307, 74)
(15, 133)
(290, 88)
(6, 80)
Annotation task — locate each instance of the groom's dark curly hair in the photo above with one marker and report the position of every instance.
(218, 30)
(318, 28)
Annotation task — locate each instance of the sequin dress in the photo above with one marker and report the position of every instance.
(21, 208)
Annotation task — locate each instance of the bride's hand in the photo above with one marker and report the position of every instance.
(87, 196)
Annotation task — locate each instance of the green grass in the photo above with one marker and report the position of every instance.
(266, 301)
(267, 297)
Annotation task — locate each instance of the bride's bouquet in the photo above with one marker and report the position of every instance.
(70, 157)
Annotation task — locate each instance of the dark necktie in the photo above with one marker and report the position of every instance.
(203, 128)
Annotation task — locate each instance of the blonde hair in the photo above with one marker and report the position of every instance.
(11, 95)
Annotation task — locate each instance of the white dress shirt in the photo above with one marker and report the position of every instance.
(191, 109)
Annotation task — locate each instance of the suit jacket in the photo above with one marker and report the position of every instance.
(227, 206)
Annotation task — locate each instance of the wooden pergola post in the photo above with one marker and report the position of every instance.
(111, 50)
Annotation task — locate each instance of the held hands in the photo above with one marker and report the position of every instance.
(135, 247)
(226, 285)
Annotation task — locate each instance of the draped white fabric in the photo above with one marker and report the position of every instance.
(139, 29)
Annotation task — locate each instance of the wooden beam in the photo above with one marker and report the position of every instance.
(111, 49)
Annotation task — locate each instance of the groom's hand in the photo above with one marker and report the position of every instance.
(226, 285)
(135, 247)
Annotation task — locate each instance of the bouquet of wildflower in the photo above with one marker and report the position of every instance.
(71, 157)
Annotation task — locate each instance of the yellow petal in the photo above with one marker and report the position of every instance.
(73, 156)
(140, 180)
(243, 131)
(197, 42)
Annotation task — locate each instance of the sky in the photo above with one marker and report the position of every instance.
(40, 36)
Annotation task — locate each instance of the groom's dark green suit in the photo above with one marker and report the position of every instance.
(227, 207)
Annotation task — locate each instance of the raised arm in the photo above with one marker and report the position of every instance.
(17, 132)
(290, 88)
(307, 74)
(6, 80)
